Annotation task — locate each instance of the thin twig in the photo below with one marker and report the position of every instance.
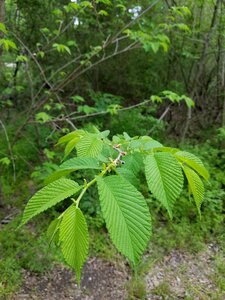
(34, 59)
(160, 119)
(67, 118)
(71, 124)
(135, 19)
(10, 150)
(75, 74)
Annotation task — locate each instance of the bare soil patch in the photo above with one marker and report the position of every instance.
(182, 275)
(179, 275)
(101, 280)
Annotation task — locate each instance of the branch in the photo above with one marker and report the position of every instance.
(134, 20)
(160, 119)
(54, 74)
(66, 118)
(34, 59)
(78, 71)
(74, 74)
(10, 150)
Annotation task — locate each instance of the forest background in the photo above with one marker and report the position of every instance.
(152, 68)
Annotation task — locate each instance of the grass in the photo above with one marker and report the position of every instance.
(26, 249)
(163, 290)
(219, 275)
(10, 276)
(136, 288)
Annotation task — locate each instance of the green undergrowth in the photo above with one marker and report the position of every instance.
(28, 248)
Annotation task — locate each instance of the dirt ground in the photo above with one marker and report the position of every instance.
(101, 280)
(177, 276)
(185, 276)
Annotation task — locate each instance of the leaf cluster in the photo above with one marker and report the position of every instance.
(117, 164)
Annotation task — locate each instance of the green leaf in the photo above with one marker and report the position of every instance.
(126, 214)
(87, 4)
(71, 139)
(129, 176)
(74, 164)
(74, 237)
(122, 7)
(156, 99)
(106, 153)
(183, 27)
(70, 146)
(135, 144)
(155, 46)
(133, 162)
(192, 161)
(21, 58)
(59, 106)
(5, 161)
(57, 12)
(165, 46)
(104, 134)
(164, 177)
(195, 185)
(7, 44)
(86, 109)
(3, 28)
(149, 145)
(77, 99)
(47, 107)
(61, 48)
(113, 109)
(49, 196)
(173, 97)
(103, 13)
(89, 145)
(79, 163)
(53, 231)
(107, 2)
(166, 149)
(71, 43)
(44, 30)
(71, 7)
(189, 102)
(186, 10)
(42, 117)
(68, 137)
(126, 136)
(41, 54)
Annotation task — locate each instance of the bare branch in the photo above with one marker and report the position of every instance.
(67, 118)
(160, 119)
(10, 150)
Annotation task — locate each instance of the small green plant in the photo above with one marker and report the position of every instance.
(163, 290)
(117, 164)
(136, 288)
